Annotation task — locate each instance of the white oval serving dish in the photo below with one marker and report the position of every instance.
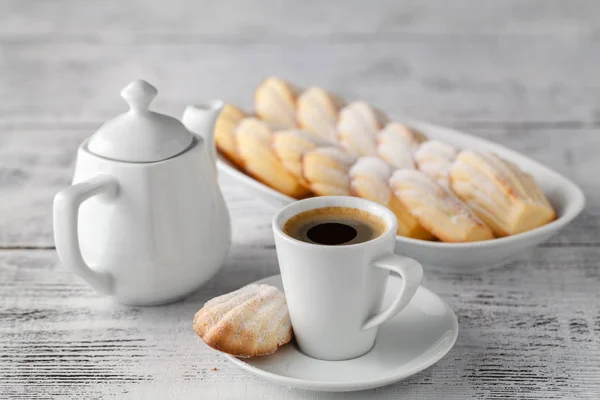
(566, 198)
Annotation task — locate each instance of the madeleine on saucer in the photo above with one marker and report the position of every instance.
(252, 321)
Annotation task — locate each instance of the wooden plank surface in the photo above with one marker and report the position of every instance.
(440, 78)
(529, 330)
(272, 20)
(521, 73)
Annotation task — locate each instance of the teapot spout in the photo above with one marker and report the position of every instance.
(200, 119)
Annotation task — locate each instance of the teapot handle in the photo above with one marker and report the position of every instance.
(66, 216)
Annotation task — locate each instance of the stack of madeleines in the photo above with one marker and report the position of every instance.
(309, 142)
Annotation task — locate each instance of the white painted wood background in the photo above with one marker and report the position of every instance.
(522, 73)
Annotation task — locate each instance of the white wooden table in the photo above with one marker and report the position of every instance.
(522, 73)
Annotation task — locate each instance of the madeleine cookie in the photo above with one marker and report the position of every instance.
(325, 169)
(227, 121)
(291, 145)
(435, 159)
(500, 193)
(252, 321)
(275, 103)
(254, 143)
(437, 209)
(357, 128)
(396, 144)
(369, 180)
(318, 113)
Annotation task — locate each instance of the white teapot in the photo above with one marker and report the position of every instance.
(144, 220)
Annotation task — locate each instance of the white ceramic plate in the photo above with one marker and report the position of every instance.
(416, 338)
(566, 198)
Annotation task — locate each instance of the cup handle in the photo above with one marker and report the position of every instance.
(411, 272)
(66, 215)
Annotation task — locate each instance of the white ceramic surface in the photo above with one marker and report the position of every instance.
(334, 293)
(144, 232)
(413, 340)
(140, 135)
(567, 199)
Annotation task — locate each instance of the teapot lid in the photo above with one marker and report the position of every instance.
(140, 135)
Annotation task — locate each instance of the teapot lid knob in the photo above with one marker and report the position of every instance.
(139, 94)
(140, 135)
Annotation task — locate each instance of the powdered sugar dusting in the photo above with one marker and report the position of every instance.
(254, 126)
(396, 144)
(326, 170)
(500, 192)
(305, 135)
(337, 154)
(369, 176)
(253, 320)
(275, 103)
(415, 178)
(435, 159)
(436, 207)
(437, 150)
(357, 128)
(317, 110)
(479, 185)
(372, 167)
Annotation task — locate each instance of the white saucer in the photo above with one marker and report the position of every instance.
(419, 336)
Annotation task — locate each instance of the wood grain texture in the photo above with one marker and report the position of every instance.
(521, 73)
(531, 330)
(512, 61)
(440, 78)
(273, 20)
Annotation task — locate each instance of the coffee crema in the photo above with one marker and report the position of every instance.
(335, 226)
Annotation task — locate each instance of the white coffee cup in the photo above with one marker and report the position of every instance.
(335, 293)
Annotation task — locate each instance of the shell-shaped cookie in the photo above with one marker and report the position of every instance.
(252, 321)
(228, 120)
(357, 128)
(500, 193)
(291, 145)
(254, 143)
(435, 159)
(326, 171)
(317, 112)
(369, 180)
(396, 144)
(275, 103)
(437, 209)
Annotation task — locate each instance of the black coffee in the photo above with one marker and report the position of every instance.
(331, 233)
(334, 226)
